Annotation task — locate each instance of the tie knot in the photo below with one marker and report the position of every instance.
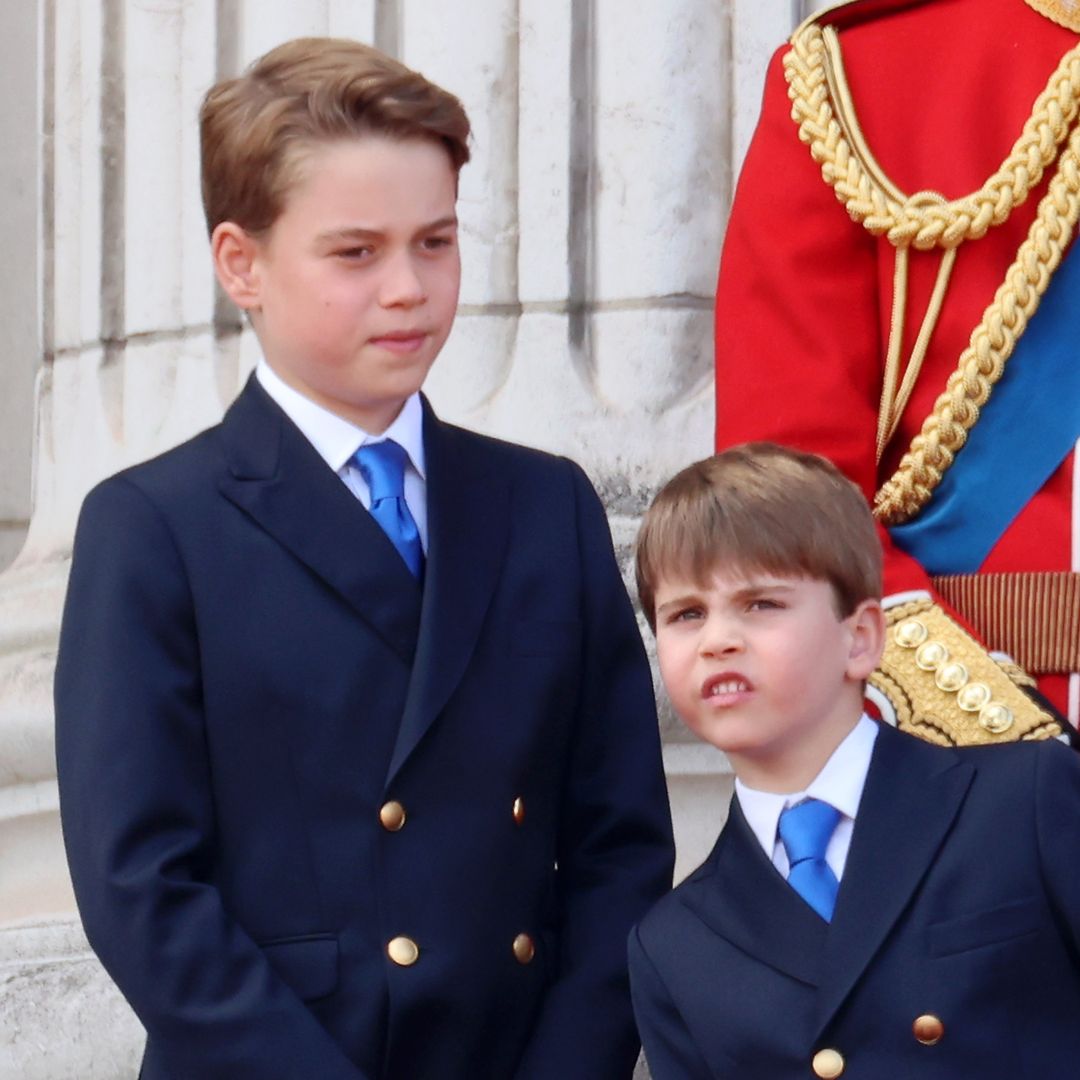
(805, 829)
(382, 465)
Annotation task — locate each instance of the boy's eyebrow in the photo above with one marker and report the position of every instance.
(358, 232)
(678, 601)
(752, 587)
(675, 602)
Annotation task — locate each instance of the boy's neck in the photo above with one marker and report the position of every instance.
(797, 766)
(371, 421)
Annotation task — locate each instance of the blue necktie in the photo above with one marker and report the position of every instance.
(382, 466)
(805, 831)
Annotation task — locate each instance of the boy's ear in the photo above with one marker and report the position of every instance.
(867, 627)
(234, 252)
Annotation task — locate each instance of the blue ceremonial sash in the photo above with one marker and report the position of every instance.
(1025, 431)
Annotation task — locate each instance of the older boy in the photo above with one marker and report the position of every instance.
(358, 760)
(929, 923)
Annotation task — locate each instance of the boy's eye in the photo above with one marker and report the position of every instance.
(763, 603)
(359, 252)
(434, 243)
(684, 614)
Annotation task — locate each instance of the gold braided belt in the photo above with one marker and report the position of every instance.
(825, 114)
(1034, 617)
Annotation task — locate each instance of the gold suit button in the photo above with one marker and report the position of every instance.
(828, 1064)
(928, 1029)
(519, 810)
(392, 815)
(524, 949)
(403, 951)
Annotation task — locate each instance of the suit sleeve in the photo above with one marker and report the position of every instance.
(138, 814)
(615, 851)
(670, 1050)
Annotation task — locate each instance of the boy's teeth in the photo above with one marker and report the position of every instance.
(732, 686)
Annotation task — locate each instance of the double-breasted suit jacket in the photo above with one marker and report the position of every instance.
(959, 908)
(324, 823)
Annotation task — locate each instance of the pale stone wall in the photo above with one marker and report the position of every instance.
(607, 135)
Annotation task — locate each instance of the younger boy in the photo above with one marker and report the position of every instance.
(358, 759)
(929, 923)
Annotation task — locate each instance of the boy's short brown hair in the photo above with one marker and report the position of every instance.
(761, 507)
(254, 129)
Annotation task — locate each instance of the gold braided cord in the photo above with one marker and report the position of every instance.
(894, 401)
(826, 118)
(982, 363)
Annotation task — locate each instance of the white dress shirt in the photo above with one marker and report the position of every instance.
(840, 784)
(336, 440)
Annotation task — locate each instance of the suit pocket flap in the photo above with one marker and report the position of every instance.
(534, 637)
(309, 965)
(981, 928)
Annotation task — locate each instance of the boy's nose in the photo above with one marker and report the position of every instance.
(402, 286)
(722, 637)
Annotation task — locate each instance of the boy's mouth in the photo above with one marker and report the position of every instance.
(401, 341)
(726, 688)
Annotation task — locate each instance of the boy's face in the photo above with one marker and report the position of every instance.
(762, 667)
(352, 291)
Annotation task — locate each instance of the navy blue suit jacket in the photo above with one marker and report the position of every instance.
(248, 672)
(960, 899)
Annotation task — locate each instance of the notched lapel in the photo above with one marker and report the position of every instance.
(912, 795)
(278, 479)
(741, 896)
(468, 526)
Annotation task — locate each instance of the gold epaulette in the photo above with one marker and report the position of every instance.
(946, 688)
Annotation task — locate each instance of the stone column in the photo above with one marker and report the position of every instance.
(606, 139)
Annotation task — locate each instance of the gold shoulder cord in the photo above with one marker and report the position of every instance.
(823, 109)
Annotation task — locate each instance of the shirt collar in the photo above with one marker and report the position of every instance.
(840, 783)
(336, 439)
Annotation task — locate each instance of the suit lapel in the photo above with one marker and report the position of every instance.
(468, 525)
(277, 478)
(741, 896)
(912, 795)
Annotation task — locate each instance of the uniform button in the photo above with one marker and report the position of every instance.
(392, 815)
(911, 634)
(928, 1029)
(403, 951)
(828, 1064)
(973, 697)
(524, 949)
(951, 677)
(996, 718)
(519, 810)
(930, 655)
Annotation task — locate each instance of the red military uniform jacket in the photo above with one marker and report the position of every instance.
(937, 93)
